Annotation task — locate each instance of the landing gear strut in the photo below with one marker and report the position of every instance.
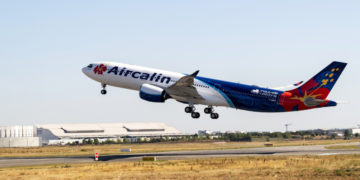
(191, 109)
(210, 110)
(103, 91)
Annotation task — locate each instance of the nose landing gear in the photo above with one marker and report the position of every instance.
(103, 91)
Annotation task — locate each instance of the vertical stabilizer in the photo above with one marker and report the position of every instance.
(322, 83)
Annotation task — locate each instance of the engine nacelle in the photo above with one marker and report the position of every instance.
(152, 93)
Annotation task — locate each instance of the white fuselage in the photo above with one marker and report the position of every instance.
(133, 77)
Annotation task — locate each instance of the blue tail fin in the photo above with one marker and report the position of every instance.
(322, 83)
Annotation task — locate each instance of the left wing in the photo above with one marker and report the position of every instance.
(184, 88)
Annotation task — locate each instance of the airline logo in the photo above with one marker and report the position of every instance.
(156, 77)
(100, 69)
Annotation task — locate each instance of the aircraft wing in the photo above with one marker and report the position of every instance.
(288, 87)
(184, 88)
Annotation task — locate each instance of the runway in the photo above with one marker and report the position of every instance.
(178, 155)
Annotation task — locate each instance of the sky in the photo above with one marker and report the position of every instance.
(44, 45)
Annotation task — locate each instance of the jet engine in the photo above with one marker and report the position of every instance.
(152, 93)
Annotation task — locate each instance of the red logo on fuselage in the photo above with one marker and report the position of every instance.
(100, 69)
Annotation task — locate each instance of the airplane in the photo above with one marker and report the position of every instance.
(156, 85)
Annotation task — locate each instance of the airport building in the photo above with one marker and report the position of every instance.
(355, 131)
(19, 136)
(204, 132)
(61, 134)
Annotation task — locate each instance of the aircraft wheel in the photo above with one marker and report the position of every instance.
(103, 91)
(188, 109)
(207, 110)
(214, 115)
(195, 115)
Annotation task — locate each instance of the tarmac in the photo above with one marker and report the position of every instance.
(178, 155)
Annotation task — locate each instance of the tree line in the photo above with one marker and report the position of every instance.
(231, 137)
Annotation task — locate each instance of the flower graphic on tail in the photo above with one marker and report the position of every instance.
(100, 69)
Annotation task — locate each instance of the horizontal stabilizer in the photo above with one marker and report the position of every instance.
(288, 87)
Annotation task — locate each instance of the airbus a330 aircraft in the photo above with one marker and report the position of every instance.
(157, 86)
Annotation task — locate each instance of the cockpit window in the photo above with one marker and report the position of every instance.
(90, 66)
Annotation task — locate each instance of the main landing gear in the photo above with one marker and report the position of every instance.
(103, 91)
(191, 109)
(209, 110)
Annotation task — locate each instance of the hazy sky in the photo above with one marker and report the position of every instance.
(44, 45)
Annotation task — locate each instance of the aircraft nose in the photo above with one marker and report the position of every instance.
(85, 70)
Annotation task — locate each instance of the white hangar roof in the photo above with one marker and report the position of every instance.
(109, 129)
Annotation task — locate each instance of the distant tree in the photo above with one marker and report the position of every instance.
(96, 141)
(154, 140)
(246, 137)
(347, 134)
(207, 136)
(162, 139)
(237, 137)
(195, 137)
(126, 140)
(139, 140)
(287, 135)
(276, 135)
(357, 135)
(84, 141)
(109, 141)
(333, 136)
(88, 141)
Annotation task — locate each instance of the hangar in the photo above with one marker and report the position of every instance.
(52, 134)
(18, 136)
(61, 134)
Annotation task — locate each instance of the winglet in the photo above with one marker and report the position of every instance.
(195, 73)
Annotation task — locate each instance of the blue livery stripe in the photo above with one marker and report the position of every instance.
(228, 100)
